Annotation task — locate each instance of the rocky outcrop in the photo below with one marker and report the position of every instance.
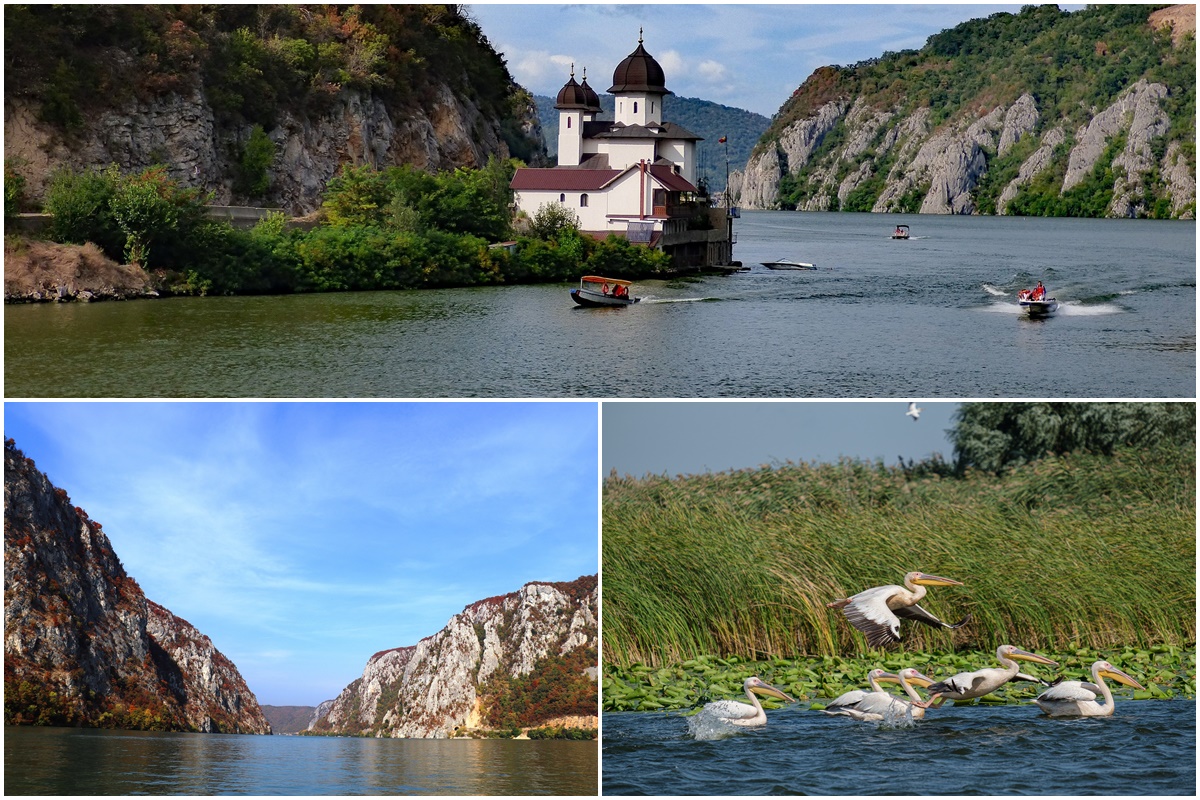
(83, 645)
(943, 167)
(179, 130)
(430, 689)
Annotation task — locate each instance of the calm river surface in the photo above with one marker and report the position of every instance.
(935, 316)
(72, 761)
(1146, 748)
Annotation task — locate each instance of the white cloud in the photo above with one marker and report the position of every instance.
(711, 70)
(672, 63)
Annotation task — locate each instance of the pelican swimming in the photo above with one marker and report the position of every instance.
(877, 704)
(746, 716)
(969, 685)
(913, 411)
(876, 612)
(1078, 699)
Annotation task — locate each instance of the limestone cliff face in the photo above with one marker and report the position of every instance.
(180, 130)
(429, 689)
(83, 645)
(1044, 111)
(938, 170)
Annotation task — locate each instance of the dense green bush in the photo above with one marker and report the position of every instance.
(14, 191)
(253, 178)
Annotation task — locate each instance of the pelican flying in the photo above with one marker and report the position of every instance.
(746, 716)
(876, 612)
(1078, 699)
(877, 704)
(913, 411)
(969, 685)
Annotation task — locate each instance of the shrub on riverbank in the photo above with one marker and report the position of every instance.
(1071, 551)
(397, 228)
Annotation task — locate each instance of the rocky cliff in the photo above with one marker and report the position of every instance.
(1052, 137)
(328, 88)
(432, 688)
(83, 645)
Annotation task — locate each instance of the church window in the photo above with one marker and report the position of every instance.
(562, 198)
(651, 106)
(568, 122)
(635, 106)
(583, 200)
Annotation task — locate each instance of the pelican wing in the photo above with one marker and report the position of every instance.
(918, 614)
(1021, 676)
(868, 611)
(850, 698)
(731, 709)
(1070, 691)
(964, 683)
(881, 703)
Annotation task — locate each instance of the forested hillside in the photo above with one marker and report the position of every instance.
(255, 102)
(711, 120)
(1044, 112)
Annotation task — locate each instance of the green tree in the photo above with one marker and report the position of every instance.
(997, 436)
(551, 220)
(253, 178)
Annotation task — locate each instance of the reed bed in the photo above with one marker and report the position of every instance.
(1078, 551)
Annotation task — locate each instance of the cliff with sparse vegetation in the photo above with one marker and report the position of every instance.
(83, 645)
(1048, 113)
(255, 104)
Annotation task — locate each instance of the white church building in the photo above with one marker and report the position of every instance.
(633, 176)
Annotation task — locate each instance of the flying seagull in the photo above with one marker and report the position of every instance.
(913, 411)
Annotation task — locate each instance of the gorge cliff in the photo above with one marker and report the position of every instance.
(82, 643)
(257, 104)
(1089, 113)
(521, 659)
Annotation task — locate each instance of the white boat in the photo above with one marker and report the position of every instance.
(787, 263)
(901, 232)
(595, 291)
(1042, 307)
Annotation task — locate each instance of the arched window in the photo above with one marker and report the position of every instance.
(635, 106)
(568, 122)
(651, 106)
(583, 201)
(562, 198)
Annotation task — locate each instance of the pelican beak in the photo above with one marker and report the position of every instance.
(1025, 655)
(1121, 677)
(921, 680)
(934, 580)
(771, 691)
(887, 677)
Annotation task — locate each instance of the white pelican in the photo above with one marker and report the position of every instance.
(969, 685)
(746, 716)
(876, 612)
(1078, 699)
(913, 411)
(877, 704)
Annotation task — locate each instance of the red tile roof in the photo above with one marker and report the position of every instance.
(563, 179)
(671, 180)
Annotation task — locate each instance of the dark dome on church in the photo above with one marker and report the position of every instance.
(639, 72)
(589, 95)
(572, 95)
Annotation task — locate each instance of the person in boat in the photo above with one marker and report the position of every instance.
(604, 287)
(620, 291)
(1039, 292)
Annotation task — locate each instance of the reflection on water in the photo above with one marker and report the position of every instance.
(1146, 748)
(71, 761)
(935, 315)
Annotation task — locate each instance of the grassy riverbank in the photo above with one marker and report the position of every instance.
(1062, 555)
(1165, 670)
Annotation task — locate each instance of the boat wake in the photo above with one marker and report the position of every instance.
(1073, 309)
(653, 300)
(993, 291)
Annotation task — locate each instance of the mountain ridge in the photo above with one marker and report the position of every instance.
(1086, 113)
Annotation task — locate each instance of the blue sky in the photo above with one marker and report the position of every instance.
(688, 438)
(304, 537)
(750, 56)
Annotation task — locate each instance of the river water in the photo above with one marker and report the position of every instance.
(1146, 748)
(68, 761)
(935, 316)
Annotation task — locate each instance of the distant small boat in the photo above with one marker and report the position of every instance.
(595, 291)
(787, 263)
(901, 232)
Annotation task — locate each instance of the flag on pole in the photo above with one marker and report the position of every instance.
(723, 139)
